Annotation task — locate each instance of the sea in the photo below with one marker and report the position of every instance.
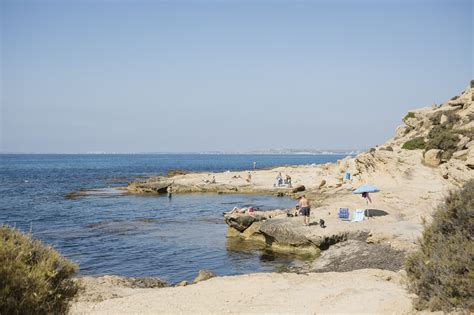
(109, 232)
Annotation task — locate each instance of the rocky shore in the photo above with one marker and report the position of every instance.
(430, 154)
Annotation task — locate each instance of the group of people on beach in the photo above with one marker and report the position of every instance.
(283, 182)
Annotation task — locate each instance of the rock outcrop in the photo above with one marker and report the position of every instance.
(433, 157)
(204, 275)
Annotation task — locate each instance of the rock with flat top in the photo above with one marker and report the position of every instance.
(241, 222)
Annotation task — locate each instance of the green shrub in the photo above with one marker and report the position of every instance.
(436, 118)
(441, 272)
(442, 138)
(409, 115)
(372, 150)
(34, 278)
(415, 143)
(451, 118)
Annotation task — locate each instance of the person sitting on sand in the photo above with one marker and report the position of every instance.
(288, 180)
(305, 209)
(295, 213)
(279, 180)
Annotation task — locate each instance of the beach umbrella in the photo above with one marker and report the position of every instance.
(366, 189)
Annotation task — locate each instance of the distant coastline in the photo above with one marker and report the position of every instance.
(263, 152)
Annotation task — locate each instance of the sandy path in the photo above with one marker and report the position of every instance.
(367, 291)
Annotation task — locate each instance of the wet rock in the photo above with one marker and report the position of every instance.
(204, 275)
(299, 188)
(182, 283)
(154, 185)
(433, 157)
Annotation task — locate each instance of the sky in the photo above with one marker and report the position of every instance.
(234, 76)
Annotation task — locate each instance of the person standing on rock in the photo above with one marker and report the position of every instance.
(305, 209)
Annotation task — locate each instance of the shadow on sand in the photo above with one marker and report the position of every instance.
(375, 213)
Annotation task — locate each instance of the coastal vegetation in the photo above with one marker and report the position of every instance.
(414, 144)
(443, 137)
(409, 115)
(34, 278)
(441, 272)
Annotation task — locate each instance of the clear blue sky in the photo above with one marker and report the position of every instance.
(150, 76)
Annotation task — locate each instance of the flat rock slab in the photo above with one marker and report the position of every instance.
(365, 291)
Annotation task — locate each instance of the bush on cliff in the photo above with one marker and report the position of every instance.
(34, 278)
(441, 272)
(443, 138)
(414, 144)
(409, 115)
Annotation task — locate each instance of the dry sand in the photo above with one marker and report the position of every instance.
(367, 291)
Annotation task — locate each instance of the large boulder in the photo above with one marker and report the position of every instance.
(433, 157)
(241, 222)
(283, 232)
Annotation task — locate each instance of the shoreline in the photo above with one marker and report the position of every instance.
(412, 184)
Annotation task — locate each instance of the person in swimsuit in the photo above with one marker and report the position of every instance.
(305, 209)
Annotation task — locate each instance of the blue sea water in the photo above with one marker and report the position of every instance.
(112, 233)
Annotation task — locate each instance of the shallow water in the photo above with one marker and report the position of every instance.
(107, 232)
